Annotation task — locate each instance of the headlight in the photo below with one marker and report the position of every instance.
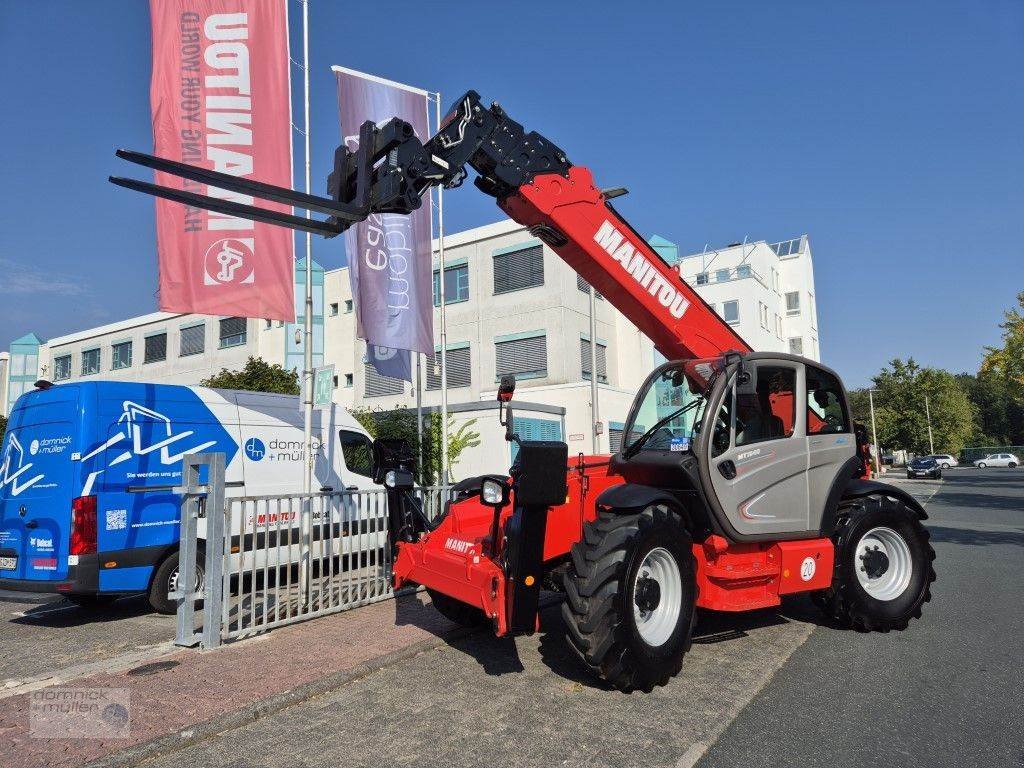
(492, 493)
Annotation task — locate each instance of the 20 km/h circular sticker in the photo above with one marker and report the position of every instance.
(807, 568)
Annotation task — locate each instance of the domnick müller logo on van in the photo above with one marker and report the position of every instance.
(255, 449)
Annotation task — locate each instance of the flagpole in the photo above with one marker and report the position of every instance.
(444, 326)
(307, 374)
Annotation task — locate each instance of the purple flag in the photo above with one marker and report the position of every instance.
(389, 255)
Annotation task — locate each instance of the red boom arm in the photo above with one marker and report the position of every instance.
(572, 216)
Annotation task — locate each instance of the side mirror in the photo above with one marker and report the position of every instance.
(505, 391)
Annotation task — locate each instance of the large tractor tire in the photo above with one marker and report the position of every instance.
(457, 611)
(883, 566)
(630, 594)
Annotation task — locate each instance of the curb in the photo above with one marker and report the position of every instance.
(173, 742)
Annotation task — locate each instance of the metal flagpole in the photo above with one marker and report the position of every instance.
(444, 327)
(928, 415)
(594, 413)
(307, 373)
(419, 410)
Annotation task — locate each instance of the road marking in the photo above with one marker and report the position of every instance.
(114, 664)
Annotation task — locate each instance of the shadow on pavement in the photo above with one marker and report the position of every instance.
(975, 538)
(65, 613)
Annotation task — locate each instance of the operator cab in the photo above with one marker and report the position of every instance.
(760, 441)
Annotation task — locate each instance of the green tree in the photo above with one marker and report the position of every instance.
(3, 426)
(900, 408)
(400, 424)
(998, 389)
(257, 376)
(1007, 361)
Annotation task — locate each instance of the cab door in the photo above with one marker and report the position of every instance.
(757, 461)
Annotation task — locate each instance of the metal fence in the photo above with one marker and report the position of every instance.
(269, 561)
(970, 455)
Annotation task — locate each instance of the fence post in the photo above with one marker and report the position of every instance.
(213, 583)
(185, 633)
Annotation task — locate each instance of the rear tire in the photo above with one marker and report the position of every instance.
(630, 596)
(461, 613)
(1012, 465)
(883, 566)
(982, 465)
(165, 579)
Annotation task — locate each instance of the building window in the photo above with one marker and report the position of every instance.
(121, 355)
(534, 429)
(731, 311)
(525, 358)
(348, 306)
(335, 382)
(232, 332)
(456, 285)
(721, 275)
(793, 303)
(62, 368)
(778, 325)
(334, 309)
(90, 362)
(743, 270)
(348, 380)
(381, 386)
(193, 340)
(458, 364)
(270, 324)
(156, 348)
(518, 269)
(762, 309)
(796, 345)
(702, 278)
(584, 287)
(602, 361)
(787, 247)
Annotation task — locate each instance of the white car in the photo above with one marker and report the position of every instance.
(998, 460)
(945, 461)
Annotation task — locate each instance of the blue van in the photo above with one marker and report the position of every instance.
(87, 471)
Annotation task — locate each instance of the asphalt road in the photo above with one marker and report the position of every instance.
(774, 688)
(948, 691)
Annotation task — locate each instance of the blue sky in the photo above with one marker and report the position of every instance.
(891, 133)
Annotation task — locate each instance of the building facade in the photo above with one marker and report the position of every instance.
(513, 307)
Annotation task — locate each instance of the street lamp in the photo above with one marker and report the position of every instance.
(928, 415)
(874, 432)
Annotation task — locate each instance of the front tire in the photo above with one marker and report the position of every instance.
(982, 465)
(883, 566)
(630, 595)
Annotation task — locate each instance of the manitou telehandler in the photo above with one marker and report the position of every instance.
(741, 477)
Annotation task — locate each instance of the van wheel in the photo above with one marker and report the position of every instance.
(165, 580)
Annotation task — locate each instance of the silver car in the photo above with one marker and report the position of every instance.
(998, 460)
(945, 461)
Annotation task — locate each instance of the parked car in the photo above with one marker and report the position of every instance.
(924, 466)
(998, 460)
(945, 461)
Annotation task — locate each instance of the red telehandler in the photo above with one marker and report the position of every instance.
(741, 476)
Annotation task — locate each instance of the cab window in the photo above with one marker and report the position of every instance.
(357, 449)
(766, 406)
(826, 412)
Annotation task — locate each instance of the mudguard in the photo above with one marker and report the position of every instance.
(631, 498)
(857, 489)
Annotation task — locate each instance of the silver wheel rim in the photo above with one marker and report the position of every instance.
(172, 580)
(655, 624)
(883, 563)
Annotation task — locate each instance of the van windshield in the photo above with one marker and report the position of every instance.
(668, 413)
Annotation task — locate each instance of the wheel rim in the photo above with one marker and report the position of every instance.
(657, 596)
(172, 580)
(883, 563)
